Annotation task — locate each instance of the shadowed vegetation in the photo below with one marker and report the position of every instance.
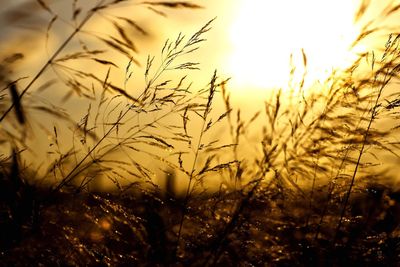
(143, 175)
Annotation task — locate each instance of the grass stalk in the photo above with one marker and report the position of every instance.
(186, 199)
(54, 56)
(388, 75)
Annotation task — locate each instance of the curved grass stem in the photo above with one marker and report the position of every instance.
(388, 75)
(197, 151)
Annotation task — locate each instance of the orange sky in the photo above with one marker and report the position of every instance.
(249, 42)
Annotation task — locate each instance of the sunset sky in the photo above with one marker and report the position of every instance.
(251, 40)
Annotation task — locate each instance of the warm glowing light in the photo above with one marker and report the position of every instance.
(265, 33)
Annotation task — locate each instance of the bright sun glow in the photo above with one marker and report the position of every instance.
(265, 33)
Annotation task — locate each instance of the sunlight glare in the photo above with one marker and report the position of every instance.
(265, 33)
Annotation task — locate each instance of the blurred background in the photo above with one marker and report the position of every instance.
(252, 41)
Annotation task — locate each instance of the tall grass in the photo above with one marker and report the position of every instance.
(313, 192)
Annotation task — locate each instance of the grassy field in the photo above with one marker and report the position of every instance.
(144, 178)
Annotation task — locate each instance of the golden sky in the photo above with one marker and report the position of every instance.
(251, 41)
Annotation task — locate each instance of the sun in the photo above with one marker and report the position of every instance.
(267, 35)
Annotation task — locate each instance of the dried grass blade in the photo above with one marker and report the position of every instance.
(171, 4)
(116, 46)
(158, 12)
(19, 112)
(104, 62)
(361, 10)
(160, 140)
(50, 26)
(136, 26)
(128, 42)
(45, 6)
(122, 92)
(393, 10)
